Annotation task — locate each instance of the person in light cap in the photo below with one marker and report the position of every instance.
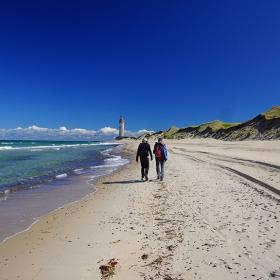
(161, 157)
(143, 151)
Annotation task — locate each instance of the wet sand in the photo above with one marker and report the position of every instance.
(19, 209)
(215, 216)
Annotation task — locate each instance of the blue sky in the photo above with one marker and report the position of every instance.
(81, 64)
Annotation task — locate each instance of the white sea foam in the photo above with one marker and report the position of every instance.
(6, 148)
(57, 147)
(114, 158)
(98, 166)
(7, 191)
(61, 176)
(107, 151)
(79, 171)
(115, 161)
(4, 194)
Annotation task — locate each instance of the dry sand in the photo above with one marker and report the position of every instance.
(215, 216)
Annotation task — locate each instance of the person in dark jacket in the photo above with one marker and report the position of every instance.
(161, 157)
(143, 151)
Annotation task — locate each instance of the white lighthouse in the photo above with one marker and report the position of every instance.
(121, 127)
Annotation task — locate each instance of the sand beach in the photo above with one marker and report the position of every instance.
(83, 83)
(215, 216)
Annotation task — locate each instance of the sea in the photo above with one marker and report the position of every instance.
(37, 177)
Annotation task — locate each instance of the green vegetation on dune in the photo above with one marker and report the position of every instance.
(272, 113)
(215, 126)
(170, 132)
(221, 130)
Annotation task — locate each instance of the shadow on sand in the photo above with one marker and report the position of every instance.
(123, 182)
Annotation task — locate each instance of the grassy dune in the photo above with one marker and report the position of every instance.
(215, 125)
(273, 113)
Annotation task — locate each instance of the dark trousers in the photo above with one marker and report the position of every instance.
(144, 166)
(160, 168)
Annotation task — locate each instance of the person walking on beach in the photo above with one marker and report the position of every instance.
(143, 151)
(160, 152)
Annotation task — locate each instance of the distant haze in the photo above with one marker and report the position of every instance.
(62, 133)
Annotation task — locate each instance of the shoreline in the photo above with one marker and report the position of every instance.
(193, 225)
(74, 180)
(24, 184)
(41, 221)
(68, 204)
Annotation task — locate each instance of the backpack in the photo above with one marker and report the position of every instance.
(158, 152)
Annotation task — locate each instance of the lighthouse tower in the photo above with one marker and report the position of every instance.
(121, 127)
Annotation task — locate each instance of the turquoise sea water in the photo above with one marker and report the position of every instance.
(37, 177)
(26, 163)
